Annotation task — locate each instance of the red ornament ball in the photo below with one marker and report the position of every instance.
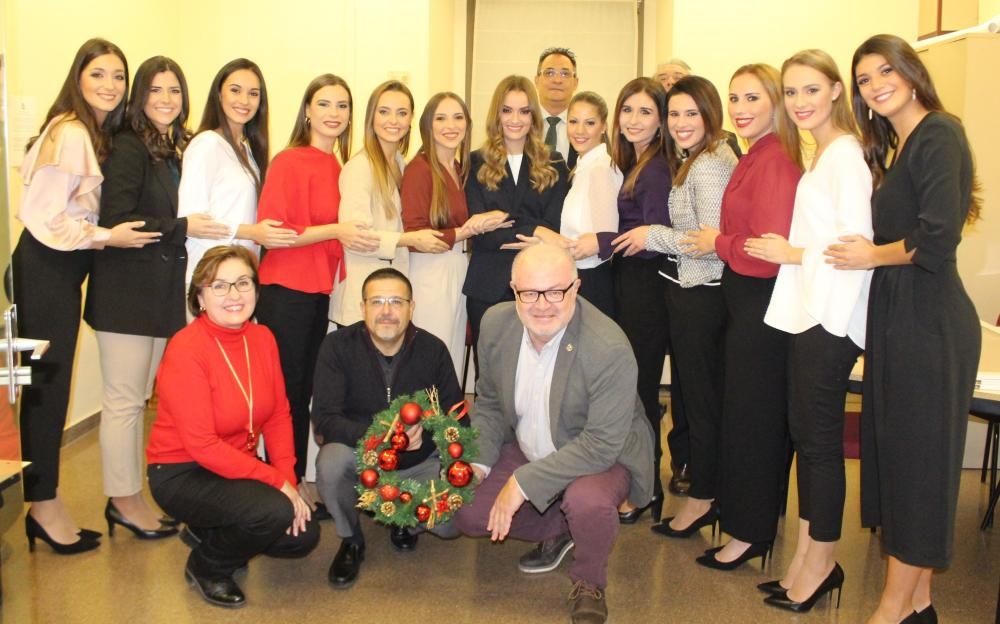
(460, 474)
(423, 513)
(455, 450)
(410, 413)
(388, 459)
(400, 427)
(389, 492)
(369, 478)
(399, 441)
(405, 497)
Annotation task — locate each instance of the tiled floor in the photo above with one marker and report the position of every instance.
(652, 579)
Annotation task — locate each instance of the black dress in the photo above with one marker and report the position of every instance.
(922, 349)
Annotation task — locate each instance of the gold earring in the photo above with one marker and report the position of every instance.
(869, 114)
(308, 121)
(913, 95)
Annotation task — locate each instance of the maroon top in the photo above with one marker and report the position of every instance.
(758, 200)
(415, 197)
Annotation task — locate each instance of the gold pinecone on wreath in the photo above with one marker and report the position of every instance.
(455, 502)
(451, 434)
(367, 499)
(370, 458)
(388, 508)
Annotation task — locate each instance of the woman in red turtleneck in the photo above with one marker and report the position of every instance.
(221, 389)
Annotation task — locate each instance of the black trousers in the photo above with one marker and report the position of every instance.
(298, 321)
(697, 331)
(597, 285)
(755, 441)
(47, 286)
(819, 366)
(236, 519)
(476, 309)
(642, 314)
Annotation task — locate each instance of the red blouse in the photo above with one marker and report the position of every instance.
(301, 190)
(202, 416)
(758, 200)
(415, 197)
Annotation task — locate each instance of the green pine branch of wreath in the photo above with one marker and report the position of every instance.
(407, 502)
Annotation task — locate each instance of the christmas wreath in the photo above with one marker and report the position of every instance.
(406, 502)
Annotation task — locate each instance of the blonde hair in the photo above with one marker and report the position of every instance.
(787, 133)
(841, 117)
(385, 184)
(494, 152)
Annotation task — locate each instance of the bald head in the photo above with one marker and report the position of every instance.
(532, 258)
(545, 282)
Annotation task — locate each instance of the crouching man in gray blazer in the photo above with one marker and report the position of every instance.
(563, 436)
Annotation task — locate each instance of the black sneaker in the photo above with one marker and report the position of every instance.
(546, 556)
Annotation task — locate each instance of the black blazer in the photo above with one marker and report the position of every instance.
(488, 279)
(139, 291)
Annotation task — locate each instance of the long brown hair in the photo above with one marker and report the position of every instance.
(787, 133)
(541, 173)
(706, 98)
(622, 151)
(176, 139)
(878, 136)
(385, 184)
(71, 103)
(841, 116)
(301, 134)
(439, 209)
(255, 130)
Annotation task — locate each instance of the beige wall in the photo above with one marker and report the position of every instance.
(421, 41)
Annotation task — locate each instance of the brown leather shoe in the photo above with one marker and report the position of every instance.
(586, 604)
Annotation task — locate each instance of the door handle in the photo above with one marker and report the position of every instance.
(11, 374)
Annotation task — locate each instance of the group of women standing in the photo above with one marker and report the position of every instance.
(755, 272)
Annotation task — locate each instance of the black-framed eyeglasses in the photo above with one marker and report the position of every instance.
(221, 288)
(551, 73)
(394, 302)
(552, 296)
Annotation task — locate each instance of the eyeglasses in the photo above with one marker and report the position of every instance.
(221, 288)
(552, 296)
(394, 302)
(551, 73)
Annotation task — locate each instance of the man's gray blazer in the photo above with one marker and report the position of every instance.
(596, 417)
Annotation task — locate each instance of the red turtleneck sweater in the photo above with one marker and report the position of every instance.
(202, 415)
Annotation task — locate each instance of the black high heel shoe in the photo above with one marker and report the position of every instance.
(34, 530)
(834, 580)
(757, 549)
(631, 517)
(772, 588)
(709, 518)
(89, 534)
(927, 616)
(113, 516)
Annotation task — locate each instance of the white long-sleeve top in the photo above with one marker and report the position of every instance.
(832, 200)
(214, 182)
(591, 205)
(358, 202)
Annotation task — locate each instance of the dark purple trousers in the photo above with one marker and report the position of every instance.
(588, 509)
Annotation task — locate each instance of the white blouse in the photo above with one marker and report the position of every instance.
(214, 182)
(62, 188)
(358, 202)
(832, 200)
(591, 205)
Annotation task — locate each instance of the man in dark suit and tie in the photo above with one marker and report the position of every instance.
(556, 81)
(563, 436)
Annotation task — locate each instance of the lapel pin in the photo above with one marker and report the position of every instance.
(569, 348)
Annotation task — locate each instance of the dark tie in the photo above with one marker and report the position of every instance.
(550, 135)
